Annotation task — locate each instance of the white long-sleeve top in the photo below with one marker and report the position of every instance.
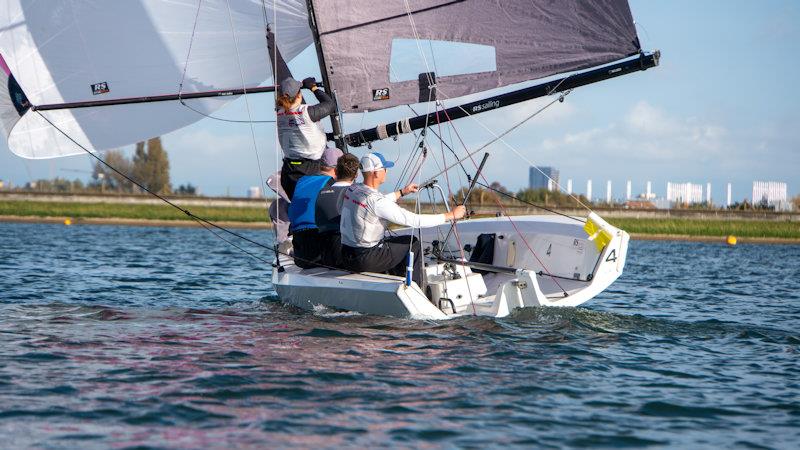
(366, 214)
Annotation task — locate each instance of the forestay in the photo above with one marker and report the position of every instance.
(84, 50)
(529, 39)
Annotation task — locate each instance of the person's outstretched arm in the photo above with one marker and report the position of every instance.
(325, 108)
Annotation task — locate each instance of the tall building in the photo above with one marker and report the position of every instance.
(543, 178)
(728, 203)
(771, 193)
(628, 190)
(708, 194)
(608, 191)
(649, 195)
(684, 193)
(569, 186)
(589, 190)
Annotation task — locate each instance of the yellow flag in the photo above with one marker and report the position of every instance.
(600, 236)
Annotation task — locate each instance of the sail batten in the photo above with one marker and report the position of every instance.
(532, 39)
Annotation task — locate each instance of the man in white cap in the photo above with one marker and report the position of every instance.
(365, 215)
(302, 210)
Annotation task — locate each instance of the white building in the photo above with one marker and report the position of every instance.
(589, 190)
(728, 203)
(649, 194)
(772, 193)
(628, 190)
(684, 193)
(254, 192)
(569, 186)
(608, 192)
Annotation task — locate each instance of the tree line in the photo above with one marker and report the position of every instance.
(149, 166)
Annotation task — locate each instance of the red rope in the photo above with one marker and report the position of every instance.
(450, 193)
(500, 205)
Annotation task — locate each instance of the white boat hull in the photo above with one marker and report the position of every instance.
(555, 264)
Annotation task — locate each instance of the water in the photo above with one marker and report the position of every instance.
(156, 337)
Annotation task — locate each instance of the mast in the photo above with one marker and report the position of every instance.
(383, 131)
(338, 136)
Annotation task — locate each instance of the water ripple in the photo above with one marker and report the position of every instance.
(147, 337)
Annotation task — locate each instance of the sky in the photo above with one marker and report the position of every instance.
(722, 107)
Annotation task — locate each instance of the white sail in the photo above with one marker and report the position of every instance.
(79, 50)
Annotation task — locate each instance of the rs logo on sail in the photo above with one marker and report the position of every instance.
(488, 105)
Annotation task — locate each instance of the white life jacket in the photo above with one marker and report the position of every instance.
(299, 136)
(360, 226)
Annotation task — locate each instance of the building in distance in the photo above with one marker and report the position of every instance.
(771, 194)
(254, 192)
(543, 178)
(684, 193)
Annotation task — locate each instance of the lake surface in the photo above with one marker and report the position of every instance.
(170, 338)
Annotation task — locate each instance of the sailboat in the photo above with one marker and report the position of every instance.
(83, 78)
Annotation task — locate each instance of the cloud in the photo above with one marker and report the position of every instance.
(647, 134)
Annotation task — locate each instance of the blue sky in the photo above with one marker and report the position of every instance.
(720, 108)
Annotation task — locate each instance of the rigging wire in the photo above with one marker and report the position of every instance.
(506, 194)
(499, 137)
(186, 67)
(513, 224)
(247, 103)
(513, 197)
(203, 222)
(276, 141)
(431, 91)
(207, 224)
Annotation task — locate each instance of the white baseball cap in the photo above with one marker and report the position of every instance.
(374, 161)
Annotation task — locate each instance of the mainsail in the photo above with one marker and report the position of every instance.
(527, 39)
(80, 51)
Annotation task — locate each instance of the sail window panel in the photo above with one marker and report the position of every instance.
(532, 39)
(410, 58)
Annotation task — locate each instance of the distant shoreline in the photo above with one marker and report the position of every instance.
(265, 225)
(74, 221)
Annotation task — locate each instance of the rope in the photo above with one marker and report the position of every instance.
(513, 224)
(186, 66)
(453, 227)
(511, 196)
(208, 225)
(247, 104)
(499, 137)
(205, 223)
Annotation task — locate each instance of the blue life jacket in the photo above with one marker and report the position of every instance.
(303, 206)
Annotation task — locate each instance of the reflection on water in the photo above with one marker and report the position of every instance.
(125, 336)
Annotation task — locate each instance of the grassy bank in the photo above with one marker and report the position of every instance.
(128, 211)
(667, 226)
(691, 227)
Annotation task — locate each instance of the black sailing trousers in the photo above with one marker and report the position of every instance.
(387, 257)
(293, 170)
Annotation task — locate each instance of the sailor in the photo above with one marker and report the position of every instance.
(303, 226)
(299, 132)
(328, 210)
(365, 215)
